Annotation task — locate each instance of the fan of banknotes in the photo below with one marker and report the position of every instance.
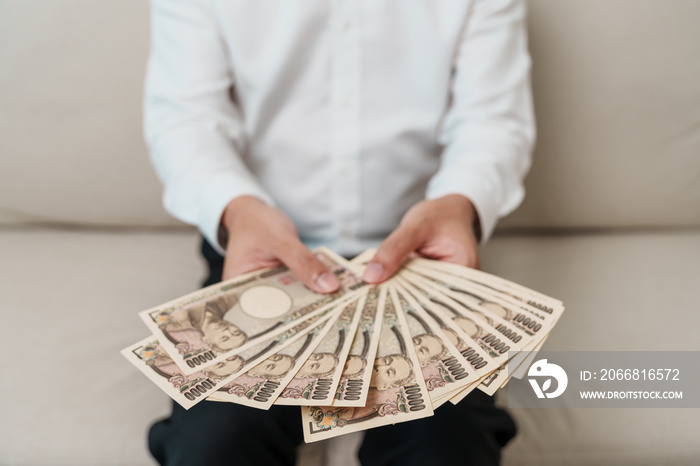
(363, 357)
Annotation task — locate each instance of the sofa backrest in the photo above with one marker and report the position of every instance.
(617, 91)
(617, 95)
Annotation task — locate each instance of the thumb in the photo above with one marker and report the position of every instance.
(391, 254)
(306, 266)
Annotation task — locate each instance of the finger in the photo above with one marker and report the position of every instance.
(470, 260)
(244, 259)
(473, 260)
(464, 253)
(471, 253)
(391, 254)
(233, 268)
(306, 266)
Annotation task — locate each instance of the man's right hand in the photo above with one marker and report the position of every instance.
(263, 236)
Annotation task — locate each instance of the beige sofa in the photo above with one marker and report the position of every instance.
(611, 225)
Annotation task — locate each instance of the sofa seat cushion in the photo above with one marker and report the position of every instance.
(71, 297)
(70, 397)
(617, 288)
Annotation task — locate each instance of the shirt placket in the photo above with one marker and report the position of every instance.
(346, 69)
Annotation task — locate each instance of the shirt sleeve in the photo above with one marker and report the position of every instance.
(193, 129)
(489, 128)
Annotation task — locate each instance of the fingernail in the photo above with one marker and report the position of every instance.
(327, 283)
(373, 273)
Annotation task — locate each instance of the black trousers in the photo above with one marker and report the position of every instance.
(212, 433)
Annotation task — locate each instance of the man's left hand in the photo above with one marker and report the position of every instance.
(441, 229)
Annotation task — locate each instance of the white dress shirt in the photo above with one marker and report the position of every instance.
(343, 113)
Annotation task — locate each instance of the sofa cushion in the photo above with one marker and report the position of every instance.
(618, 109)
(616, 288)
(71, 81)
(70, 398)
(71, 300)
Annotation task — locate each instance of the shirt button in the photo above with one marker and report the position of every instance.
(347, 25)
(345, 230)
(345, 169)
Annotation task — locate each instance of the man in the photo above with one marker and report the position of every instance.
(208, 319)
(318, 365)
(280, 125)
(274, 368)
(390, 371)
(354, 366)
(164, 366)
(429, 348)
